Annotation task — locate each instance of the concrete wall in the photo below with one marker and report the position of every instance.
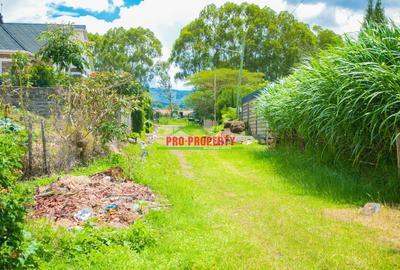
(37, 100)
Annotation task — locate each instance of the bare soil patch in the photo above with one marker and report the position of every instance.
(106, 198)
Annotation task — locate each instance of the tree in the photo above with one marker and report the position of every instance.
(369, 13)
(374, 14)
(164, 81)
(63, 48)
(327, 38)
(132, 51)
(379, 13)
(218, 89)
(274, 42)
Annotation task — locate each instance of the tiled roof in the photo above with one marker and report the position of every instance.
(23, 36)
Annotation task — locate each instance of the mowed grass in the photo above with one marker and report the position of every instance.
(172, 121)
(182, 130)
(244, 208)
(239, 212)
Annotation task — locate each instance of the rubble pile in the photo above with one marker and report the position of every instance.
(105, 198)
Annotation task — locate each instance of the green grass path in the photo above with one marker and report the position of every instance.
(235, 210)
(240, 208)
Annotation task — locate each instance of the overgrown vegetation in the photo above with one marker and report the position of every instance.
(61, 248)
(346, 99)
(14, 253)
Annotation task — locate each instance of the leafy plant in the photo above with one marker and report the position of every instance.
(228, 114)
(8, 126)
(41, 74)
(72, 245)
(12, 210)
(63, 48)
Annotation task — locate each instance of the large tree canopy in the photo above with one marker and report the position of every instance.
(273, 42)
(132, 51)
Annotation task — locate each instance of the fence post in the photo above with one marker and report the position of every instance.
(29, 173)
(45, 167)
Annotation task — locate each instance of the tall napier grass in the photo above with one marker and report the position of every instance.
(347, 99)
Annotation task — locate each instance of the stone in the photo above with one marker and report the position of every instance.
(238, 127)
(131, 141)
(228, 124)
(370, 209)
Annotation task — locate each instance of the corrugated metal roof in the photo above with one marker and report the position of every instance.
(251, 96)
(7, 42)
(23, 36)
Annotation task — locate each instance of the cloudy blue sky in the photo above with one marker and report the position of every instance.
(166, 17)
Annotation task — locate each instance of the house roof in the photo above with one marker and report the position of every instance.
(23, 36)
(251, 96)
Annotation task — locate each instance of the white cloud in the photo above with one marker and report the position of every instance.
(25, 10)
(347, 20)
(307, 11)
(394, 14)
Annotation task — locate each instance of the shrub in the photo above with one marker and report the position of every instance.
(7, 126)
(42, 74)
(149, 126)
(347, 99)
(88, 113)
(228, 114)
(12, 210)
(62, 245)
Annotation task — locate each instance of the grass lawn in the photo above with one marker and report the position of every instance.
(172, 121)
(241, 208)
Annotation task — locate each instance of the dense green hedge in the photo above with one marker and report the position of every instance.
(347, 99)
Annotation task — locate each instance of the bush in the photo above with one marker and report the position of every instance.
(7, 126)
(89, 113)
(149, 126)
(41, 74)
(228, 114)
(347, 99)
(12, 210)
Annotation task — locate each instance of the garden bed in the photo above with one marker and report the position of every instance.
(106, 199)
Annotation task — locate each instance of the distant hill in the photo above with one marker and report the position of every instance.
(159, 100)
